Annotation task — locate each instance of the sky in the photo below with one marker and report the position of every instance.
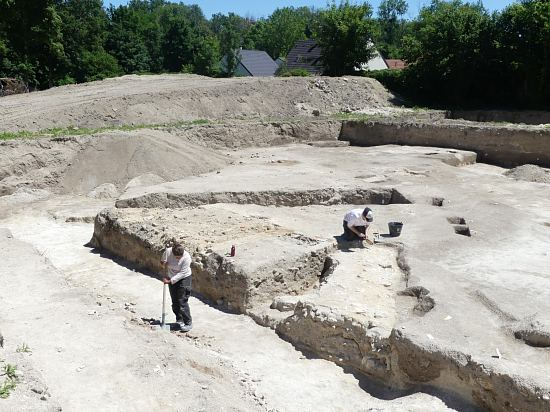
(263, 8)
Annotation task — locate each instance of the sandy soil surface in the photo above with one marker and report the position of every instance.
(83, 320)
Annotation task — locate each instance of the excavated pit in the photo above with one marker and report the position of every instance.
(341, 304)
(463, 230)
(534, 333)
(301, 286)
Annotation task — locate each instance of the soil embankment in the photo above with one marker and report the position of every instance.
(161, 99)
(503, 145)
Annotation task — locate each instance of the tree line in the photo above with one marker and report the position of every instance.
(461, 55)
(457, 52)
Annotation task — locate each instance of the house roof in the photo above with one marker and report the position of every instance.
(306, 54)
(258, 63)
(396, 64)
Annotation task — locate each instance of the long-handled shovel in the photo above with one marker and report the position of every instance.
(163, 324)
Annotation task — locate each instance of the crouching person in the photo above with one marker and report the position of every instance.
(356, 223)
(177, 265)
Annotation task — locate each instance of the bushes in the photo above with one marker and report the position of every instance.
(293, 73)
(392, 79)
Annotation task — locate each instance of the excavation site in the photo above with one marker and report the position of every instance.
(444, 306)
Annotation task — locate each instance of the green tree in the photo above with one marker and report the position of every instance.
(392, 27)
(207, 57)
(344, 33)
(32, 39)
(84, 30)
(283, 29)
(230, 30)
(448, 51)
(178, 38)
(522, 57)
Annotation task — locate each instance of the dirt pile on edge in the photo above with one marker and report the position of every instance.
(172, 98)
(530, 173)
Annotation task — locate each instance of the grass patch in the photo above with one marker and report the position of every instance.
(24, 348)
(10, 371)
(420, 108)
(10, 381)
(79, 131)
(6, 388)
(354, 116)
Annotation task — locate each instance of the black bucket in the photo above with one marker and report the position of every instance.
(395, 228)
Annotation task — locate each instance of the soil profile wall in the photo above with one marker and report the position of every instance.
(503, 146)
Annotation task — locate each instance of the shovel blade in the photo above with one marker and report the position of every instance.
(164, 326)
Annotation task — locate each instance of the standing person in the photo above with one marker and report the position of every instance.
(177, 261)
(356, 223)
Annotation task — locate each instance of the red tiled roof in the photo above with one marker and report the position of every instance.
(396, 64)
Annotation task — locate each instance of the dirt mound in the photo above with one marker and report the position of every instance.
(79, 165)
(530, 173)
(119, 158)
(172, 98)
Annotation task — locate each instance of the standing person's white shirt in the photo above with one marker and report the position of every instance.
(178, 269)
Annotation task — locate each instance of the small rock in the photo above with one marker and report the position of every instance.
(284, 303)
(104, 191)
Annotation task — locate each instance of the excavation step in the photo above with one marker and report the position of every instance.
(269, 260)
(350, 318)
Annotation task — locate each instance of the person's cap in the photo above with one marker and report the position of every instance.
(368, 214)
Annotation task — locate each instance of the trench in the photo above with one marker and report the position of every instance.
(290, 198)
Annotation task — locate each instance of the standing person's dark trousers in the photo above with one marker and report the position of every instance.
(350, 234)
(180, 292)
